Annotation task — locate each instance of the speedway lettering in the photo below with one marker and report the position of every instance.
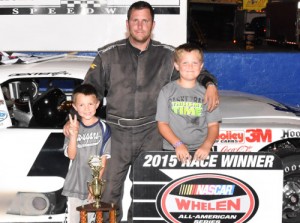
(54, 11)
(76, 7)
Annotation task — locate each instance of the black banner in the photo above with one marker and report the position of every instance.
(208, 191)
(80, 7)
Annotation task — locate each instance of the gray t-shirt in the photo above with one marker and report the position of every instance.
(91, 140)
(184, 111)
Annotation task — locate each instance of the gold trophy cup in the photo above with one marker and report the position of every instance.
(96, 186)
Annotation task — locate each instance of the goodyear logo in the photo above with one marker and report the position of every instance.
(210, 198)
(3, 115)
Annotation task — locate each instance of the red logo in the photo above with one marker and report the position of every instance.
(210, 197)
(250, 135)
(231, 136)
(259, 135)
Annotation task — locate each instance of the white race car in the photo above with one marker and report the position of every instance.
(34, 103)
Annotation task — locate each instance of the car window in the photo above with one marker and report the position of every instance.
(39, 102)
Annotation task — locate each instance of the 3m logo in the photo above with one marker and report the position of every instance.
(207, 197)
(259, 135)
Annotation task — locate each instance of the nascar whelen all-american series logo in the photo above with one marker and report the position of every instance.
(207, 198)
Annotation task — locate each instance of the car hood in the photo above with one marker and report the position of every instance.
(72, 65)
(239, 107)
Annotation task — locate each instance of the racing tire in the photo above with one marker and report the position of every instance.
(291, 189)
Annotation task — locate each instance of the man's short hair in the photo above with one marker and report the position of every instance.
(140, 5)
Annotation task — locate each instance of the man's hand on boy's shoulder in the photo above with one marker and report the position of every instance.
(211, 97)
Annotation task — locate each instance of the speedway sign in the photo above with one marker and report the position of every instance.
(226, 187)
(81, 25)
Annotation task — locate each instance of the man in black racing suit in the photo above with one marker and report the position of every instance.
(132, 72)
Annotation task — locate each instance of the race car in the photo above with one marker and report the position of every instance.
(35, 99)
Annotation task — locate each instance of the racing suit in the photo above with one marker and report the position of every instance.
(132, 80)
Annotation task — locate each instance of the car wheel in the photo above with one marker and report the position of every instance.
(291, 189)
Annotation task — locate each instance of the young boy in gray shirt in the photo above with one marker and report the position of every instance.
(89, 136)
(183, 118)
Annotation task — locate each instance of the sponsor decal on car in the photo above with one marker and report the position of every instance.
(248, 135)
(258, 135)
(231, 136)
(207, 198)
(3, 115)
(40, 74)
(243, 148)
(288, 133)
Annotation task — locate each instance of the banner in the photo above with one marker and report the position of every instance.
(81, 25)
(254, 5)
(225, 188)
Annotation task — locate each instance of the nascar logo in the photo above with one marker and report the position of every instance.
(207, 197)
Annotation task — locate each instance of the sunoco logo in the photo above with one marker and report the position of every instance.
(3, 115)
(209, 198)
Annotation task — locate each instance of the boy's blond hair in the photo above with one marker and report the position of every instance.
(187, 47)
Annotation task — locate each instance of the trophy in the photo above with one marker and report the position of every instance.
(96, 186)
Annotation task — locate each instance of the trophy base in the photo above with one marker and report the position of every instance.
(104, 207)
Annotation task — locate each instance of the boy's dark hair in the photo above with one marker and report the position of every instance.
(140, 5)
(86, 89)
(187, 47)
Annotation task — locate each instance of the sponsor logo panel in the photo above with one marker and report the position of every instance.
(244, 140)
(215, 190)
(210, 197)
(243, 136)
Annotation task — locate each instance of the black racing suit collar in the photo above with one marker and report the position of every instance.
(136, 50)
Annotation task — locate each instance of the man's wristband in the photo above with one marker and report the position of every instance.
(179, 143)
